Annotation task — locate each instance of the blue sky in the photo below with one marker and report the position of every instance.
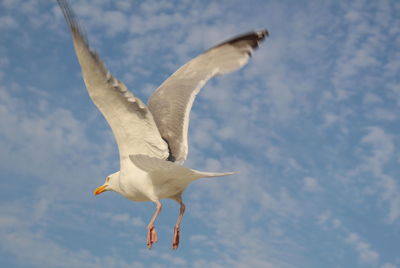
(311, 123)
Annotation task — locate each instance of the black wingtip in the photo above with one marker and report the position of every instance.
(262, 34)
(72, 20)
(252, 38)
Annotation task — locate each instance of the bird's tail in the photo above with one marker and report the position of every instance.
(152, 164)
(201, 174)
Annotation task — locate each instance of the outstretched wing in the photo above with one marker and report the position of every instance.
(131, 122)
(171, 103)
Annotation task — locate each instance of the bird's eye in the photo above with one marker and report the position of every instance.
(108, 179)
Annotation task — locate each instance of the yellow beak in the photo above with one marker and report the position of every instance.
(100, 189)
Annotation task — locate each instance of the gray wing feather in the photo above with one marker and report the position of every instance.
(171, 103)
(132, 123)
(152, 165)
(162, 169)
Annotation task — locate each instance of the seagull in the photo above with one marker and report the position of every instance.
(152, 139)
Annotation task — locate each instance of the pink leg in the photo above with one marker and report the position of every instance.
(151, 231)
(175, 239)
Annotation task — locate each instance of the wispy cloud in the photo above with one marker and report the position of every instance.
(365, 253)
(311, 185)
(310, 123)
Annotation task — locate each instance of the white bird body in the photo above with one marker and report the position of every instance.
(144, 178)
(135, 184)
(141, 186)
(152, 140)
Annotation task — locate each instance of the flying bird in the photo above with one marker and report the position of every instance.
(152, 139)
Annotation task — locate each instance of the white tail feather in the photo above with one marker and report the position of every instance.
(202, 174)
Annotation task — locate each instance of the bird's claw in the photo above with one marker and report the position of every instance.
(151, 236)
(175, 239)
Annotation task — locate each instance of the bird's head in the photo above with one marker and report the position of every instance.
(111, 184)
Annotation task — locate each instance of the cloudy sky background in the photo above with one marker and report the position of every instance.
(312, 124)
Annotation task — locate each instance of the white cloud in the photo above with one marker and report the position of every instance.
(124, 5)
(382, 114)
(274, 154)
(391, 194)
(200, 239)
(365, 253)
(152, 7)
(7, 22)
(35, 250)
(116, 22)
(382, 150)
(330, 119)
(387, 265)
(173, 260)
(48, 141)
(361, 37)
(336, 223)
(371, 98)
(31, 246)
(312, 185)
(328, 221)
(246, 218)
(382, 147)
(323, 217)
(124, 218)
(234, 218)
(393, 65)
